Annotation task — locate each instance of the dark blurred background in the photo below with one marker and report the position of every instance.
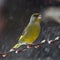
(18, 13)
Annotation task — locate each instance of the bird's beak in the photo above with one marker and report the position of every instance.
(39, 17)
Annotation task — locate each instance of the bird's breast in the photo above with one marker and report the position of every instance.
(32, 33)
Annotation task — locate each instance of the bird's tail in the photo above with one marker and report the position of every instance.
(15, 47)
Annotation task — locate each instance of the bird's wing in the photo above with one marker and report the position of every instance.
(26, 31)
(26, 28)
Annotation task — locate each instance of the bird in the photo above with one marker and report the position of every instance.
(30, 33)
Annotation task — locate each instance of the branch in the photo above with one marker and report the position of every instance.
(40, 45)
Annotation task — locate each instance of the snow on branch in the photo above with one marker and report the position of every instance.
(40, 45)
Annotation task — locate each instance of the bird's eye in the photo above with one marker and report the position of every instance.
(36, 15)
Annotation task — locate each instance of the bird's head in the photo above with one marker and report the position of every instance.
(36, 17)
